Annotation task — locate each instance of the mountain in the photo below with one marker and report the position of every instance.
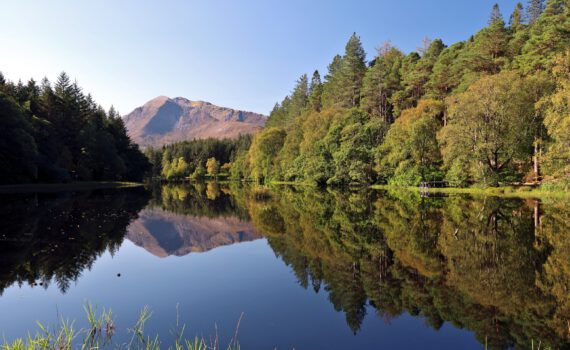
(163, 233)
(164, 120)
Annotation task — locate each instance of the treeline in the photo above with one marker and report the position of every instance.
(198, 158)
(59, 134)
(491, 110)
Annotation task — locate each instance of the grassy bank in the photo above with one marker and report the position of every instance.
(102, 329)
(72, 186)
(505, 191)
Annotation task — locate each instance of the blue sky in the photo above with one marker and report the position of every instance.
(242, 54)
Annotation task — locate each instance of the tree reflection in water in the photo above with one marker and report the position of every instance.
(53, 238)
(497, 267)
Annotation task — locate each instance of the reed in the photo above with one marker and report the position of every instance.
(101, 329)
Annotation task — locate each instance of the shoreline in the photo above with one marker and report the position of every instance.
(71, 186)
(503, 191)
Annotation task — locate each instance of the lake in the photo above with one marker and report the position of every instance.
(291, 267)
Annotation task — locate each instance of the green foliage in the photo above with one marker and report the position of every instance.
(516, 21)
(410, 152)
(199, 172)
(213, 167)
(57, 134)
(381, 81)
(490, 126)
(557, 122)
(348, 140)
(478, 95)
(447, 72)
(487, 53)
(415, 73)
(344, 80)
(316, 92)
(282, 115)
(263, 153)
(18, 150)
(534, 10)
(549, 36)
(166, 161)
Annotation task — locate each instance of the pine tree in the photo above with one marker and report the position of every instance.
(62, 85)
(299, 98)
(534, 10)
(316, 92)
(352, 72)
(516, 20)
(381, 81)
(487, 52)
(333, 68)
(548, 38)
(315, 81)
(496, 15)
(415, 73)
(447, 72)
(332, 78)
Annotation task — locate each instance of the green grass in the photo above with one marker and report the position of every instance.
(72, 186)
(505, 191)
(101, 330)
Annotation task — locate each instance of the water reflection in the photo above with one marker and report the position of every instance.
(496, 267)
(52, 238)
(185, 219)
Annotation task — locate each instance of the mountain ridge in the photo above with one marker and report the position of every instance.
(163, 120)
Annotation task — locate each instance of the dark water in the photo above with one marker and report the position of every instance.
(307, 269)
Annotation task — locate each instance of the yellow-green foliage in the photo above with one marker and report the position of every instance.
(213, 167)
(410, 151)
(490, 127)
(557, 121)
(481, 94)
(263, 151)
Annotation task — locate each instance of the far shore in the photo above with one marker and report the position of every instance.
(502, 191)
(71, 186)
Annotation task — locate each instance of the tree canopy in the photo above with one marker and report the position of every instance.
(480, 111)
(56, 133)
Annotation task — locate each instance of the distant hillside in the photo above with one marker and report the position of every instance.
(164, 120)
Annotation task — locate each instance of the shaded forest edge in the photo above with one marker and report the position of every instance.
(489, 111)
(54, 133)
(70, 186)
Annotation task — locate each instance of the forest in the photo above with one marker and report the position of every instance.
(54, 133)
(488, 111)
(198, 158)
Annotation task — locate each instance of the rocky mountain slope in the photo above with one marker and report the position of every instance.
(164, 120)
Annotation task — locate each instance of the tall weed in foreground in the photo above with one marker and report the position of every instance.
(100, 330)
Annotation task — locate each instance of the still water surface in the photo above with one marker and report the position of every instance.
(307, 269)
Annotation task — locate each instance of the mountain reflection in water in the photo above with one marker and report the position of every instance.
(163, 233)
(499, 268)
